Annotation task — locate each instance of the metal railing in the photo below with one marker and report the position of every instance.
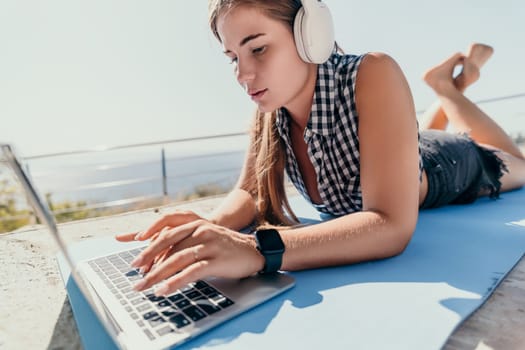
(135, 145)
(489, 100)
(220, 174)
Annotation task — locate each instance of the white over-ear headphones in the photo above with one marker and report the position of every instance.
(314, 32)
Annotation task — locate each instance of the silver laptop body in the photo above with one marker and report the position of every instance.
(139, 320)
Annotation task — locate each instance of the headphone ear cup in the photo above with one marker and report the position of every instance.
(314, 32)
(298, 35)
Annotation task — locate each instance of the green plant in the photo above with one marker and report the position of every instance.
(11, 217)
(203, 191)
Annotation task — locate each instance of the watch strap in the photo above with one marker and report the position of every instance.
(272, 263)
(271, 247)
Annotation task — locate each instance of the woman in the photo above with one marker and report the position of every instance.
(346, 131)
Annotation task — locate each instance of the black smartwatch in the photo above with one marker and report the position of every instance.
(271, 246)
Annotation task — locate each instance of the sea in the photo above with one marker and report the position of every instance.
(173, 170)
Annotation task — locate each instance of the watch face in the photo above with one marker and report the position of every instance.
(270, 241)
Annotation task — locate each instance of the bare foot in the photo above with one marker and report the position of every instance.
(477, 56)
(468, 76)
(441, 76)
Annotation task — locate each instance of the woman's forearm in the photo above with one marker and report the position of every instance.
(356, 237)
(237, 210)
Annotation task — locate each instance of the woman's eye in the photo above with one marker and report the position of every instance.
(232, 60)
(259, 50)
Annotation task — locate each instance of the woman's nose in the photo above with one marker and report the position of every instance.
(245, 72)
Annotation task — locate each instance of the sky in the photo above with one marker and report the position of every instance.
(84, 74)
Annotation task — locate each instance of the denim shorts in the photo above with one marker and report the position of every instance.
(458, 169)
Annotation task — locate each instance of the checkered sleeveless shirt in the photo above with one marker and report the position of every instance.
(331, 136)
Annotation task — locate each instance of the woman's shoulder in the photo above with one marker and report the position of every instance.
(347, 67)
(377, 67)
(373, 60)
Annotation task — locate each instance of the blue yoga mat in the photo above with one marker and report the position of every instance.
(458, 255)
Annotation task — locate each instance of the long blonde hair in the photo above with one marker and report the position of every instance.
(272, 204)
(267, 183)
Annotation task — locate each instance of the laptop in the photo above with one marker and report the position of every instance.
(141, 320)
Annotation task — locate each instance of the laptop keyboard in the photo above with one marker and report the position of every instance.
(157, 315)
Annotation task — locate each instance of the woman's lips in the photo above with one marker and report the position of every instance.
(257, 95)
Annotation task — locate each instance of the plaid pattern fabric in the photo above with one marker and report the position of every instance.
(332, 138)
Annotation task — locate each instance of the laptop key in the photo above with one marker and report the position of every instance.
(149, 334)
(194, 313)
(108, 270)
(164, 330)
(138, 301)
(143, 307)
(124, 255)
(208, 306)
(193, 295)
(123, 269)
(132, 295)
(176, 297)
(152, 297)
(201, 285)
(183, 303)
(100, 261)
(187, 288)
(179, 320)
(119, 280)
(113, 276)
(164, 303)
(155, 322)
(123, 285)
(208, 291)
(150, 314)
(225, 303)
(221, 300)
(133, 272)
(127, 289)
(169, 313)
(105, 265)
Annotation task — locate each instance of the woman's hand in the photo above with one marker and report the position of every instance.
(166, 222)
(171, 220)
(193, 250)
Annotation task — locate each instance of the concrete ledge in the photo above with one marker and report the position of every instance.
(35, 312)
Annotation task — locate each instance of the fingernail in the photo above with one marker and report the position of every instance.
(140, 285)
(161, 290)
